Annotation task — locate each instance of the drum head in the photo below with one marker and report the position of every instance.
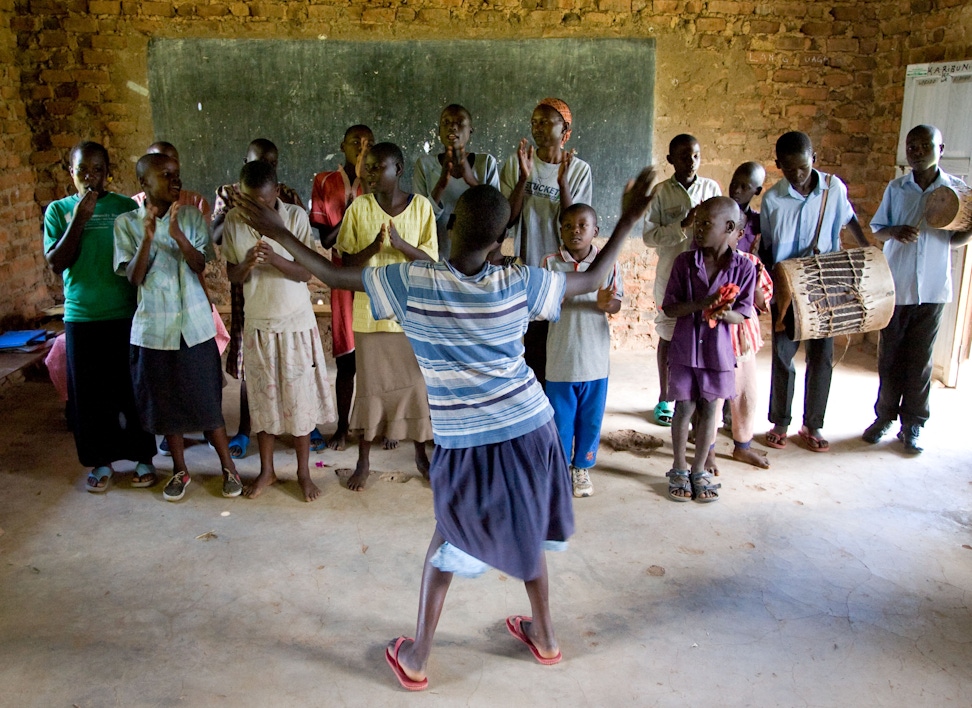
(941, 207)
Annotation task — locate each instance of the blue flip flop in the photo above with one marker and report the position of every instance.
(238, 445)
(664, 412)
(317, 441)
(99, 479)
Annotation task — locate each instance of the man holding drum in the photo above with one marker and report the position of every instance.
(920, 260)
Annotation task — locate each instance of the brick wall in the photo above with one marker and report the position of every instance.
(22, 279)
(735, 73)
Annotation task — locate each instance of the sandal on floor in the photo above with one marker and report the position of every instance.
(238, 445)
(678, 480)
(664, 412)
(144, 476)
(813, 443)
(701, 484)
(317, 441)
(99, 479)
(776, 440)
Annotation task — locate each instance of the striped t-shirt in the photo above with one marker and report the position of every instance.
(467, 334)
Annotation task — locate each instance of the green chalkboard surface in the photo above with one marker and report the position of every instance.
(211, 97)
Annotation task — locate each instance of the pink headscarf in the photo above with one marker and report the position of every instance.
(564, 110)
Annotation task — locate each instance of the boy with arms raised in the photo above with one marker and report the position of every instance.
(496, 446)
(668, 229)
(789, 220)
(920, 259)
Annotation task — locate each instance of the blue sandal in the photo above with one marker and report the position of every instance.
(317, 441)
(99, 479)
(238, 445)
(664, 412)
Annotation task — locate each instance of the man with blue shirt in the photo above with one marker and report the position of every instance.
(920, 259)
(789, 216)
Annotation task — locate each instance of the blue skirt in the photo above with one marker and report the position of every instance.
(501, 503)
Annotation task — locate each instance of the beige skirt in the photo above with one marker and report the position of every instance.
(390, 398)
(286, 381)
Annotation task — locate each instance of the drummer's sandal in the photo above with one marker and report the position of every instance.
(679, 485)
(702, 488)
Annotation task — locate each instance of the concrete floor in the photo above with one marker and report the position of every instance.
(837, 579)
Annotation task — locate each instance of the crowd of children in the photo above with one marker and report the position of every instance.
(502, 361)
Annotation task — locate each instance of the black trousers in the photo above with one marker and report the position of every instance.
(820, 366)
(905, 363)
(101, 403)
(535, 349)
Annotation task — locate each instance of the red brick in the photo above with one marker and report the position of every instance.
(54, 76)
(614, 5)
(104, 7)
(108, 41)
(842, 44)
(818, 29)
(802, 110)
(710, 24)
(91, 76)
(764, 27)
(665, 7)
(787, 76)
(97, 56)
(813, 93)
(378, 15)
(216, 10)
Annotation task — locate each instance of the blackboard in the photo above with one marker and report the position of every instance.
(211, 97)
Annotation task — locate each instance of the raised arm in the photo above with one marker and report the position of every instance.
(267, 222)
(634, 204)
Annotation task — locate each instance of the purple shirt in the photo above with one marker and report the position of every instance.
(694, 343)
(750, 232)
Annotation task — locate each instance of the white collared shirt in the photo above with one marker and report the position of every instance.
(922, 270)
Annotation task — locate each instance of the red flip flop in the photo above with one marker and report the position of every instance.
(813, 443)
(514, 626)
(391, 656)
(776, 440)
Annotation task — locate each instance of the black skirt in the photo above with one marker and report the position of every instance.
(101, 405)
(178, 391)
(500, 502)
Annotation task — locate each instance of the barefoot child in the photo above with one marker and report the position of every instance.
(259, 149)
(281, 344)
(789, 221)
(386, 226)
(98, 309)
(701, 360)
(444, 177)
(747, 340)
(920, 258)
(331, 195)
(539, 188)
(162, 248)
(579, 348)
(496, 446)
(668, 229)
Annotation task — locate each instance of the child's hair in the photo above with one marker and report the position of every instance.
(163, 148)
(793, 143)
(579, 207)
(85, 146)
(264, 146)
(681, 139)
(457, 108)
(354, 129)
(146, 162)
(257, 174)
(482, 213)
(383, 150)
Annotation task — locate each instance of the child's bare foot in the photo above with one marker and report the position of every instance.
(311, 491)
(751, 456)
(264, 480)
(389, 444)
(422, 459)
(406, 662)
(338, 441)
(710, 462)
(359, 479)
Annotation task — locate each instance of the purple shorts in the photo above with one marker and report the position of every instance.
(686, 383)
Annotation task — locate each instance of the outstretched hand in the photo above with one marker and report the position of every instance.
(261, 218)
(524, 156)
(564, 168)
(148, 221)
(637, 194)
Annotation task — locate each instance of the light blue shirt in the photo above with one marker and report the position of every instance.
(922, 270)
(172, 304)
(789, 220)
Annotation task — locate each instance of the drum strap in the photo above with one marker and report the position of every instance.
(820, 217)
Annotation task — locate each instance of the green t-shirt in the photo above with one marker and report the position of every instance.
(92, 290)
